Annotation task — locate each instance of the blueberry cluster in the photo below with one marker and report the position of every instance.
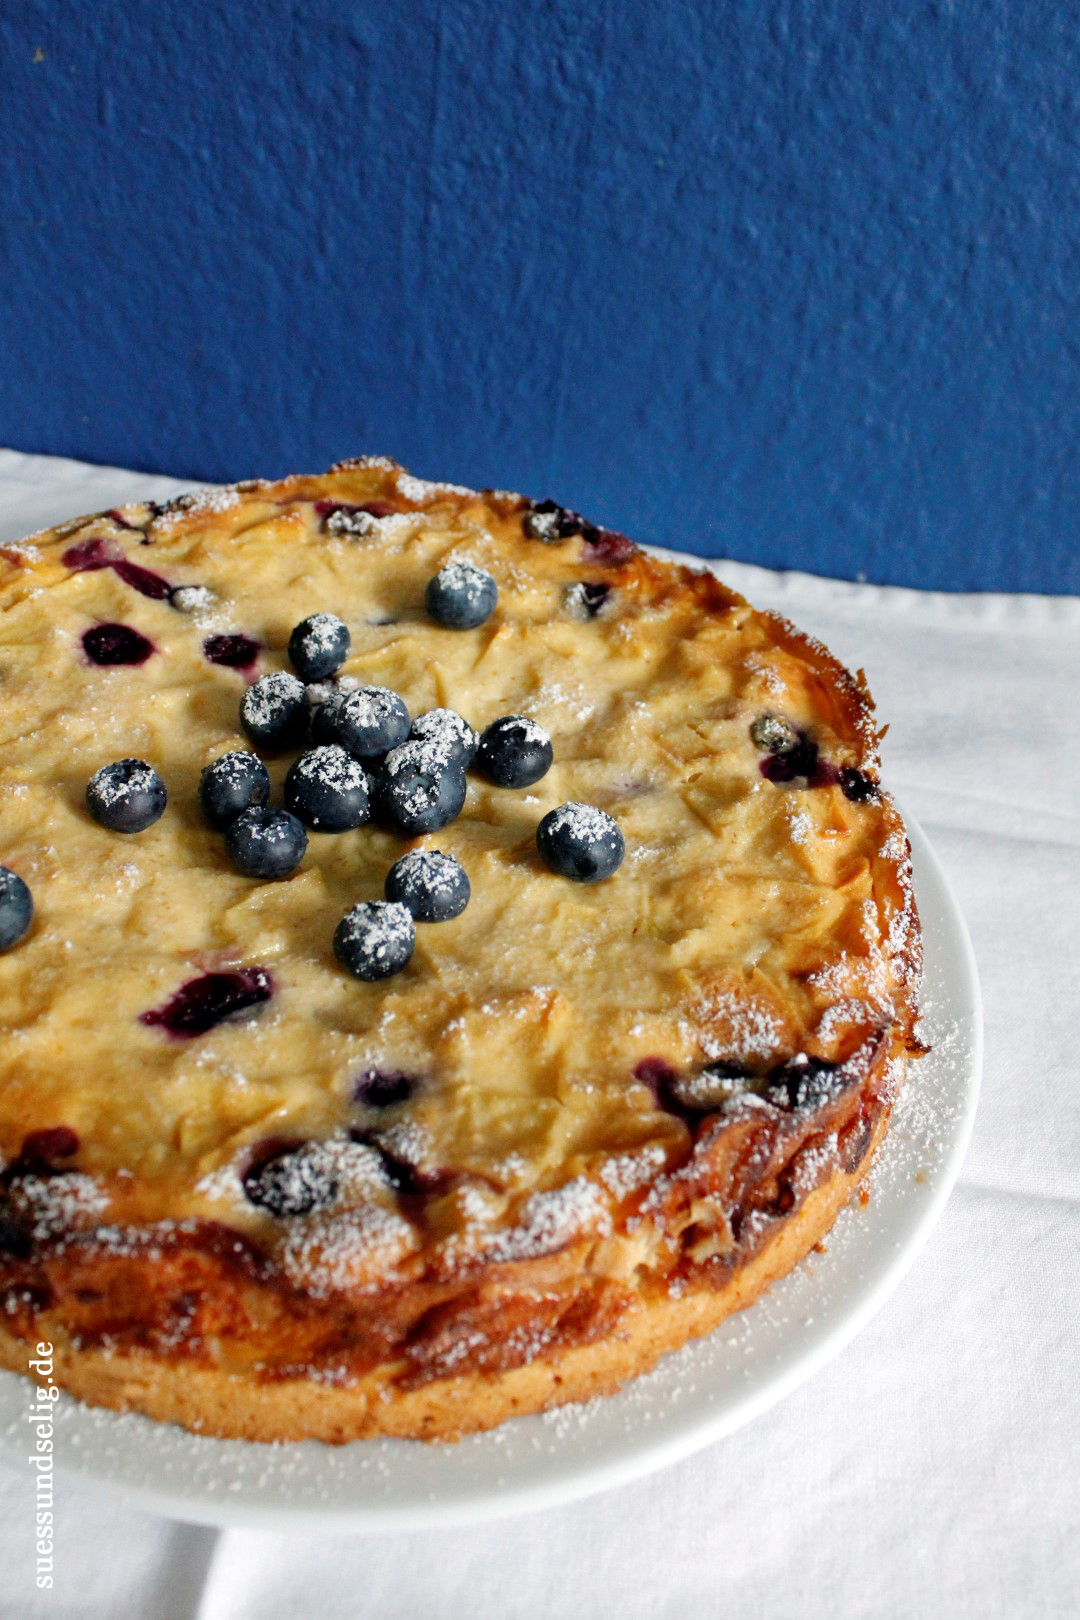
(790, 755)
(362, 757)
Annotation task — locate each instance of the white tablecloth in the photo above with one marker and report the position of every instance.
(932, 1468)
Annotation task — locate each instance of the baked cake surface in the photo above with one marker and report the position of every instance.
(583, 1123)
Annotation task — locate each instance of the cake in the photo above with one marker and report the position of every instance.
(365, 1080)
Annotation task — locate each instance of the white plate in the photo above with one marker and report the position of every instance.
(693, 1397)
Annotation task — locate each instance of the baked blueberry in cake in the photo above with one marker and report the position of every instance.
(448, 956)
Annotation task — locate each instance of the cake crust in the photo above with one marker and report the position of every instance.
(621, 1114)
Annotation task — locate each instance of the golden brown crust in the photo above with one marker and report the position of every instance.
(232, 1405)
(474, 1290)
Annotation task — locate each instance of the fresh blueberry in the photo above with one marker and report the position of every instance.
(290, 1181)
(432, 885)
(126, 796)
(418, 788)
(371, 720)
(319, 645)
(16, 908)
(375, 939)
(773, 734)
(450, 731)
(232, 784)
(461, 596)
(325, 708)
(266, 843)
(274, 711)
(579, 841)
(514, 752)
(328, 789)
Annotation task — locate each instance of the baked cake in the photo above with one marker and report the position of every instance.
(450, 956)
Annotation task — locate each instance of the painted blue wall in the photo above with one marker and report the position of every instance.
(792, 282)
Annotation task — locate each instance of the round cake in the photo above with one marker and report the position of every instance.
(448, 956)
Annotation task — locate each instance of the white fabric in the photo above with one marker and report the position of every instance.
(931, 1469)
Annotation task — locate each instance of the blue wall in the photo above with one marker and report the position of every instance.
(792, 282)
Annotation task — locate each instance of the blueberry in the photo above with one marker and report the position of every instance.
(857, 786)
(792, 764)
(328, 789)
(383, 1088)
(774, 734)
(584, 599)
(266, 843)
(274, 711)
(111, 644)
(450, 731)
(551, 523)
(126, 796)
(514, 752)
(432, 885)
(375, 939)
(16, 908)
(232, 784)
(230, 651)
(579, 841)
(371, 721)
(210, 999)
(291, 1181)
(319, 645)
(461, 596)
(418, 788)
(324, 714)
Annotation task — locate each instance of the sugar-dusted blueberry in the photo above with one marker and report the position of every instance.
(432, 885)
(371, 721)
(514, 752)
(16, 908)
(579, 841)
(126, 796)
(325, 706)
(550, 523)
(450, 731)
(375, 939)
(319, 645)
(191, 599)
(711, 1088)
(291, 1181)
(773, 734)
(274, 711)
(266, 843)
(461, 595)
(328, 789)
(857, 786)
(344, 519)
(418, 788)
(585, 598)
(232, 784)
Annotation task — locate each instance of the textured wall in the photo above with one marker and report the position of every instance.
(793, 282)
